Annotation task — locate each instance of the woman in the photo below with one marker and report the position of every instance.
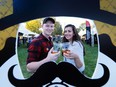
(76, 54)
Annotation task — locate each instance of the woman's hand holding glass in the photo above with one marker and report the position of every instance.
(66, 51)
(70, 55)
(65, 48)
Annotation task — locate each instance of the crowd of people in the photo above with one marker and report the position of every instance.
(25, 40)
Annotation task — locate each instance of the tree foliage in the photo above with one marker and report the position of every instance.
(58, 29)
(34, 25)
(82, 27)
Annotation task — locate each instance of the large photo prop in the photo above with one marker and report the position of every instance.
(13, 12)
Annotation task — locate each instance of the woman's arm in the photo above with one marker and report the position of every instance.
(78, 62)
(77, 55)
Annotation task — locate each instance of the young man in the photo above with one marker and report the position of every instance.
(39, 51)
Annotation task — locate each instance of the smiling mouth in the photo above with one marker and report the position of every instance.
(49, 31)
(67, 36)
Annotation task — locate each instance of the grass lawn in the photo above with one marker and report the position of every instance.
(90, 59)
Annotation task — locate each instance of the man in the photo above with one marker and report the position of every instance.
(39, 51)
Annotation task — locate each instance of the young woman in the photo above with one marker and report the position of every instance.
(76, 54)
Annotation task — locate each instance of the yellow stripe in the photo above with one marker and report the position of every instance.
(6, 8)
(5, 34)
(108, 29)
(108, 5)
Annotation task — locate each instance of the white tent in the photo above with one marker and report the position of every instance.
(23, 29)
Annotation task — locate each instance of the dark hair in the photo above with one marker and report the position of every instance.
(76, 36)
(48, 19)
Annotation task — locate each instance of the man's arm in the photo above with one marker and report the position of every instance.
(33, 66)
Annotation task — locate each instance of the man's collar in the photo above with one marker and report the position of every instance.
(49, 38)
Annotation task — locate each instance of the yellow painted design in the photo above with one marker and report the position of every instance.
(6, 8)
(108, 5)
(104, 28)
(6, 33)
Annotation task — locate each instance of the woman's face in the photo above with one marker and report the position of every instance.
(68, 33)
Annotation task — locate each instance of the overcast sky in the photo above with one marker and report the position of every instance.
(63, 21)
(71, 20)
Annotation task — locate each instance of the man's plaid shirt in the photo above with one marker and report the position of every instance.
(39, 48)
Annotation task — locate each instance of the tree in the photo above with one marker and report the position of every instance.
(34, 25)
(82, 27)
(58, 29)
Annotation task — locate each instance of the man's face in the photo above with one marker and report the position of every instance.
(48, 28)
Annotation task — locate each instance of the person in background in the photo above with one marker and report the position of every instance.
(40, 49)
(75, 54)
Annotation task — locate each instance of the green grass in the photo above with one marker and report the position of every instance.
(22, 55)
(90, 59)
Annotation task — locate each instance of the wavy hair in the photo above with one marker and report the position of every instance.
(76, 36)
